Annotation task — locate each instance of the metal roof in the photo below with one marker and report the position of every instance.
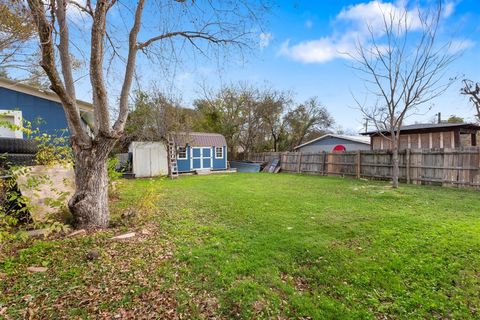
(200, 139)
(426, 126)
(359, 139)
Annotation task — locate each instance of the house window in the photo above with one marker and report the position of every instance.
(219, 152)
(181, 153)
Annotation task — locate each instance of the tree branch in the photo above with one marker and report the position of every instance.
(190, 35)
(45, 30)
(87, 8)
(63, 49)
(129, 70)
(101, 113)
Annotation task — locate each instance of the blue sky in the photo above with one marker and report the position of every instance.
(299, 47)
(298, 50)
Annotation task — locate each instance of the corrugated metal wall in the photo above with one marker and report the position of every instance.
(50, 114)
(150, 159)
(327, 145)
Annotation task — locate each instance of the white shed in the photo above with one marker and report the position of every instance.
(149, 159)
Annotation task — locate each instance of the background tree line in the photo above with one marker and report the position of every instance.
(251, 119)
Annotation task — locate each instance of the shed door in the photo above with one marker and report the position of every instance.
(201, 158)
(206, 158)
(196, 158)
(149, 159)
(141, 162)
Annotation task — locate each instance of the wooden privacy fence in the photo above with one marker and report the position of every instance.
(447, 167)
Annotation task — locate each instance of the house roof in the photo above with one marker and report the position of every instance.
(358, 139)
(44, 94)
(429, 126)
(200, 139)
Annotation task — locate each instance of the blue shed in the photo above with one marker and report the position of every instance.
(200, 151)
(20, 102)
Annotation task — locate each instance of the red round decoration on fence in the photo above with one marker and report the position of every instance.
(339, 147)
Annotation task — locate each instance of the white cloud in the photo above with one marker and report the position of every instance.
(265, 39)
(371, 15)
(352, 25)
(319, 51)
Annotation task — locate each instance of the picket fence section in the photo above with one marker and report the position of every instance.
(447, 167)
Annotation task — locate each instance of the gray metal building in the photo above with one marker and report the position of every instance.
(334, 142)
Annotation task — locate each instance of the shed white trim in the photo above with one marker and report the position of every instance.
(221, 152)
(184, 150)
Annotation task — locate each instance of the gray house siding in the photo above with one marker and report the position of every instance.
(329, 143)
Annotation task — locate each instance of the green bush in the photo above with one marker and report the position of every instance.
(53, 150)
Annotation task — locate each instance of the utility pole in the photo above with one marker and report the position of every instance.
(366, 125)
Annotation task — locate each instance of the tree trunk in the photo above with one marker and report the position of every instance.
(395, 163)
(89, 204)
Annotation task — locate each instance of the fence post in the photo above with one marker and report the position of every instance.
(324, 171)
(359, 164)
(299, 161)
(407, 160)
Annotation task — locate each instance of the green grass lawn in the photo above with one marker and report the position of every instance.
(260, 246)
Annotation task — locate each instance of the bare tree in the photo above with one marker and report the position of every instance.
(154, 116)
(224, 112)
(252, 122)
(472, 90)
(404, 69)
(249, 117)
(219, 24)
(274, 105)
(308, 120)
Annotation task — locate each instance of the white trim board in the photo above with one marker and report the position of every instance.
(215, 152)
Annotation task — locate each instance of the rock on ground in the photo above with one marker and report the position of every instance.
(124, 236)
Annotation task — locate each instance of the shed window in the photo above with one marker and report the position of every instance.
(219, 152)
(181, 153)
